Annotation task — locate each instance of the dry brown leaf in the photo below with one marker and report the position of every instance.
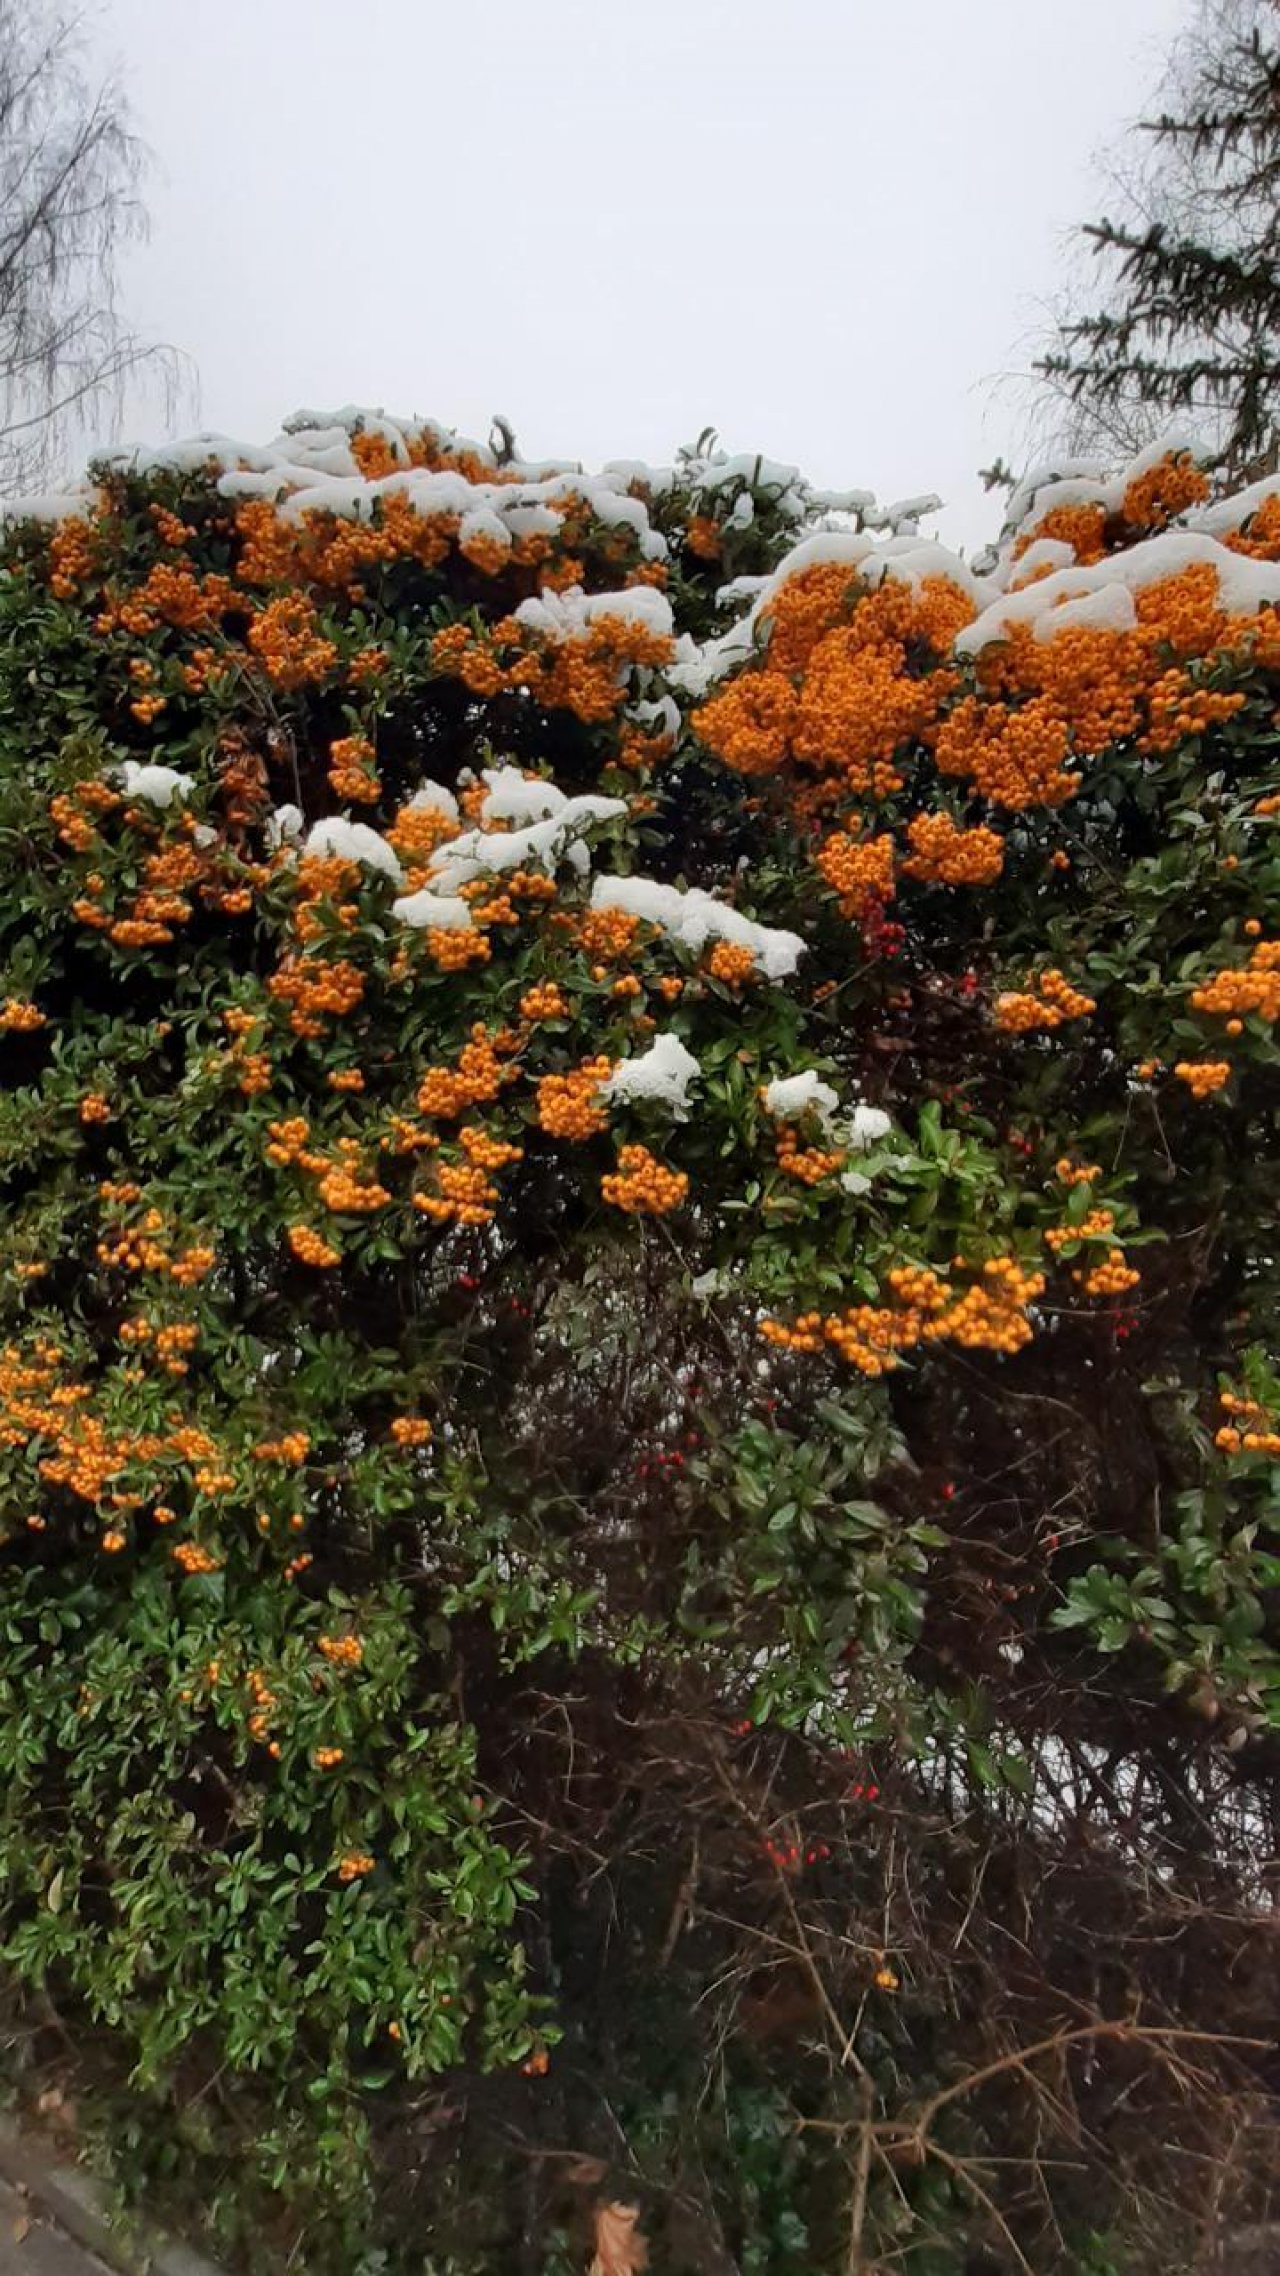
(620, 2249)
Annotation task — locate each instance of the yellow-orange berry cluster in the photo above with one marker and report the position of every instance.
(1076, 1173)
(1056, 1002)
(411, 1430)
(990, 1315)
(807, 1164)
(19, 1018)
(569, 1105)
(1203, 1076)
(1094, 1223)
(285, 638)
(732, 964)
(643, 1186)
(316, 989)
(944, 854)
(311, 1247)
(857, 869)
(546, 1001)
(1111, 1278)
(1259, 1436)
(1255, 989)
(352, 772)
(459, 1194)
(479, 1075)
(290, 1450)
(341, 1651)
(193, 1559)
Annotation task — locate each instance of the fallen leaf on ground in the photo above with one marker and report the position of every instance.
(620, 2249)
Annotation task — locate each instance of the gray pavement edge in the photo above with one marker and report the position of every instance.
(78, 2204)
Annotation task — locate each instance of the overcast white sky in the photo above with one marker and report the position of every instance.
(823, 226)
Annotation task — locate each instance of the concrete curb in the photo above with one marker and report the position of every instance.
(78, 2204)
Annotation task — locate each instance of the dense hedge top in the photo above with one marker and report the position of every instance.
(631, 1102)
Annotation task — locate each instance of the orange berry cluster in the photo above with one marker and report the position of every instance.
(411, 1430)
(415, 834)
(1012, 756)
(169, 528)
(290, 1450)
(193, 1559)
(255, 1072)
(285, 638)
(1057, 1002)
(1255, 989)
(73, 556)
(1250, 1440)
(341, 1651)
(1082, 527)
(731, 964)
(369, 664)
(311, 1248)
(569, 1105)
(19, 1018)
(345, 1189)
(170, 1342)
(485, 1152)
(944, 854)
(1203, 1076)
(702, 537)
(479, 1075)
(1096, 1222)
(170, 594)
(586, 675)
(1152, 498)
(991, 1315)
(865, 686)
(460, 1193)
(1176, 709)
(287, 1140)
(749, 726)
(137, 1249)
(807, 1164)
(451, 949)
(608, 934)
(316, 990)
(1112, 1278)
(858, 869)
(545, 1001)
(1076, 1173)
(354, 1864)
(352, 773)
(643, 1186)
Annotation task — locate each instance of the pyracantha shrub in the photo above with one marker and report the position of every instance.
(637, 1440)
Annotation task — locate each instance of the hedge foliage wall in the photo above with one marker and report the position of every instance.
(637, 1432)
